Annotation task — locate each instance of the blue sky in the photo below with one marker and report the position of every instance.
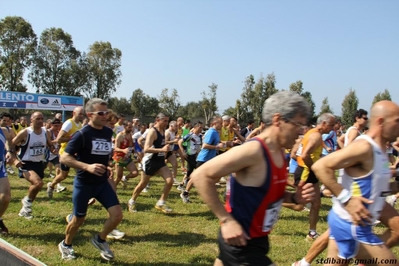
(331, 46)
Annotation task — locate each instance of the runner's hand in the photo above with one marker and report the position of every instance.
(304, 193)
(233, 233)
(360, 214)
(96, 169)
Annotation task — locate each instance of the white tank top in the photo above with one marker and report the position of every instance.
(346, 135)
(374, 185)
(346, 140)
(34, 148)
(172, 137)
(52, 156)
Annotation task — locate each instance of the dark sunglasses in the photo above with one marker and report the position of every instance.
(100, 113)
(365, 118)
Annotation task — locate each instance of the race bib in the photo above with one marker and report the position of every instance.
(271, 215)
(161, 154)
(36, 150)
(299, 151)
(100, 147)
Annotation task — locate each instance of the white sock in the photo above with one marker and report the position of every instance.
(160, 202)
(304, 262)
(131, 201)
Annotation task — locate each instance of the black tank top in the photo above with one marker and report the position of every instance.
(158, 143)
(160, 140)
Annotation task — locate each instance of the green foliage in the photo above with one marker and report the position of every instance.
(349, 107)
(243, 107)
(120, 105)
(169, 104)
(143, 105)
(385, 95)
(208, 103)
(325, 107)
(57, 64)
(253, 98)
(190, 110)
(186, 237)
(298, 88)
(17, 47)
(104, 64)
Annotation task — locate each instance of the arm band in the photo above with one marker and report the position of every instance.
(344, 196)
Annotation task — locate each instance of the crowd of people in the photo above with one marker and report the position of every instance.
(106, 150)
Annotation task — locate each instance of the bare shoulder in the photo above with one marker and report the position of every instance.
(251, 147)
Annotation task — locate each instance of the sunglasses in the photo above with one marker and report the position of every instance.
(365, 118)
(100, 113)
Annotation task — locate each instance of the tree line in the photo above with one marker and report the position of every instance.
(55, 66)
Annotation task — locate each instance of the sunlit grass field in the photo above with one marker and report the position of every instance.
(185, 237)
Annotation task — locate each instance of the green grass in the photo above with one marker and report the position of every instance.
(186, 237)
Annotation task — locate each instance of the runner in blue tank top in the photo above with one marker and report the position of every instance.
(361, 189)
(257, 187)
(7, 155)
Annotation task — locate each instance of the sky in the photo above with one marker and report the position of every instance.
(331, 46)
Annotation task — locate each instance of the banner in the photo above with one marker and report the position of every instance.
(22, 100)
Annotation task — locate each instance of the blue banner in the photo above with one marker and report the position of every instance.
(22, 100)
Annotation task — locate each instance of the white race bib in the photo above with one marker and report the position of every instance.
(299, 151)
(271, 215)
(36, 150)
(100, 147)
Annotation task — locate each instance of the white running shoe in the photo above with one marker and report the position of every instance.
(116, 234)
(105, 251)
(67, 253)
(50, 190)
(60, 188)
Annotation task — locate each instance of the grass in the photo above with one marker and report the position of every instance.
(186, 237)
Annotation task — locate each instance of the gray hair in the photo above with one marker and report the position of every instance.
(161, 116)
(286, 103)
(90, 104)
(172, 123)
(327, 117)
(226, 117)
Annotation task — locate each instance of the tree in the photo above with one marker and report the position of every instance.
(235, 111)
(349, 107)
(57, 64)
(191, 110)
(143, 105)
(104, 72)
(325, 107)
(385, 95)
(169, 104)
(208, 103)
(17, 47)
(298, 88)
(244, 105)
(256, 98)
(120, 105)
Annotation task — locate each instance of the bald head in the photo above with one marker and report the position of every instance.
(383, 109)
(78, 114)
(385, 118)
